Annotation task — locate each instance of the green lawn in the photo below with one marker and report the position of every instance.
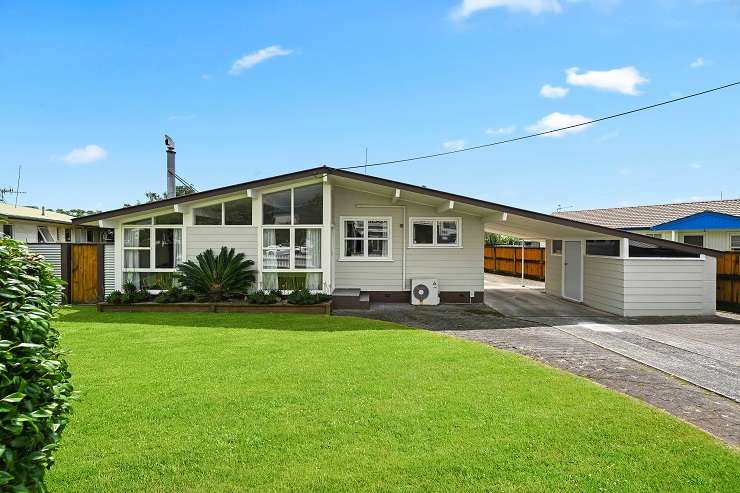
(233, 402)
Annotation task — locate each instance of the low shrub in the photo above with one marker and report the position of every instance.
(264, 297)
(132, 294)
(35, 388)
(305, 297)
(114, 298)
(175, 295)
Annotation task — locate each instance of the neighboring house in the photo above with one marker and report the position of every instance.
(713, 224)
(343, 232)
(32, 225)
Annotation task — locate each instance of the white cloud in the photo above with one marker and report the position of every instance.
(553, 92)
(248, 61)
(624, 80)
(501, 131)
(700, 62)
(558, 120)
(535, 7)
(84, 155)
(454, 145)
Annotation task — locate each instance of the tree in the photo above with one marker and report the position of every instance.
(498, 239)
(155, 197)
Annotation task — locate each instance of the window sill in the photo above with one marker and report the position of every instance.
(436, 246)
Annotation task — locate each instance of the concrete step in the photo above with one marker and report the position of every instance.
(350, 298)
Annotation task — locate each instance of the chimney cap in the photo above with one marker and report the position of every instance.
(169, 143)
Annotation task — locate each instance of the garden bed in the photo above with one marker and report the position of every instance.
(317, 309)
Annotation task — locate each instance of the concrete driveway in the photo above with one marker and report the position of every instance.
(702, 350)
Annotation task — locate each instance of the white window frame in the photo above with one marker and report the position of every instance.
(619, 242)
(729, 237)
(152, 246)
(291, 262)
(365, 258)
(222, 203)
(47, 236)
(434, 243)
(703, 239)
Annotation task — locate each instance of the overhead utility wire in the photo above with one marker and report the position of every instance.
(538, 134)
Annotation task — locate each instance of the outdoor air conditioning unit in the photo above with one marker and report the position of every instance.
(424, 292)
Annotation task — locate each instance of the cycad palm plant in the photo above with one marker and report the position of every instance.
(217, 277)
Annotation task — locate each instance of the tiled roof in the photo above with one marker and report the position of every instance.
(32, 214)
(645, 216)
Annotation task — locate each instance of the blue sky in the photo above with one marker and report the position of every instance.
(89, 89)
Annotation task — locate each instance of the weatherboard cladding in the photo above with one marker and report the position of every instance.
(323, 170)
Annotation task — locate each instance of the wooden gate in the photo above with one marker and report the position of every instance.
(728, 281)
(507, 260)
(84, 278)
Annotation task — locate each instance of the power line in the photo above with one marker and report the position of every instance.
(538, 134)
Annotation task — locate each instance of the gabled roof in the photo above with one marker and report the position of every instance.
(325, 170)
(32, 214)
(645, 216)
(701, 221)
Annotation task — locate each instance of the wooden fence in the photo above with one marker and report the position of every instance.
(507, 260)
(728, 281)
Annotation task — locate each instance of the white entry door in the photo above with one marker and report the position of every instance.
(572, 270)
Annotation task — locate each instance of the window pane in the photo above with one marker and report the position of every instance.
(171, 218)
(148, 220)
(8, 230)
(209, 215)
(557, 246)
(90, 236)
(238, 211)
(136, 259)
(423, 232)
(308, 204)
(67, 234)
(354, 229)
(276, 208)
(696, 240)
(136, 237)
(606, 248)
(735, 242)
(377, 248)
(640, 249)
(276, 248)
(447, 232)
(377, 229)
(164, 251)
(150, 280)
(307, 249)
(354, 248)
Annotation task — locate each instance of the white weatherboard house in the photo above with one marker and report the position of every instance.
(342, 232)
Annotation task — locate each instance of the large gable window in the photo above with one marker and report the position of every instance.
(603, 248)
(152, 249)
(366, 238)
(230, 213)
(299, 205)
(434, 232)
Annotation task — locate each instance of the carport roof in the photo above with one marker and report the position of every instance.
(496, 217)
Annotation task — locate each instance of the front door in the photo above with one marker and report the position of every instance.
(84, 278)
(572, 278)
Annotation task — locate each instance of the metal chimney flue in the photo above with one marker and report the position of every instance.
(170, 146)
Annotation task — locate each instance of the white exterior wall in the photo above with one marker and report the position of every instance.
(456, 269)
(243, 239)
(553, 271)
(25, 232)
(603, 283)
(669, 286)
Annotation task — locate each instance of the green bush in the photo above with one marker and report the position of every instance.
(175, 295)
(35, 388)
(132, 294)
(305, 297)
(114, 298)
(264, 297)
(216, 278)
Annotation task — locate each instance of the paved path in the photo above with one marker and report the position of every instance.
(538, 339)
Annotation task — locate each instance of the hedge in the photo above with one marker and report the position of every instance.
(35, 391)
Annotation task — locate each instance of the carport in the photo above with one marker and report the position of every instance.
(621, 273)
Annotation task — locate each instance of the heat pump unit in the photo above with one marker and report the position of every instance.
(424, 292)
